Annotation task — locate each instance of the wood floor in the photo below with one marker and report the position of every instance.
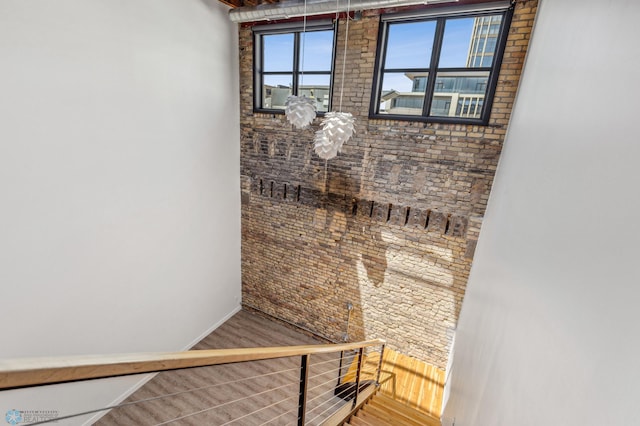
(381, 410)
(407, 380)
(197, 390)
(217, 395)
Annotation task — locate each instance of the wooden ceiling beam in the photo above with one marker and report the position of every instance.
(241, 3)
(233, 3)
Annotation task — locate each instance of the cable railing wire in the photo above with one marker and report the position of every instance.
(164, 396)
(291, 397)
(335, 400)
(324, 374)
(322, 413)
(261, 409)
(348, 391)
(328, 371)
(280, 415)
(339, 395)
(331, 407)
(331, 397)
(332, 391)
(317, 402)
(340, 402)
(325, 383)
(314, 364)
(205, 410)
(335, 404)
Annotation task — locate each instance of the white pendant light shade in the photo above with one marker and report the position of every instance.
(300, 111)
(337, 128)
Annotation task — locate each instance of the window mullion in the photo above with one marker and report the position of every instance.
(496, 62)
(296, 63)
(258, 79)
(435, 58)
(381, 55)
(285, 66)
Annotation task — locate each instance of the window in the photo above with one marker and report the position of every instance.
(288, 61)
(439, 68)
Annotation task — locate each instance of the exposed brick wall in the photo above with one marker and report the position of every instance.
(390, 225)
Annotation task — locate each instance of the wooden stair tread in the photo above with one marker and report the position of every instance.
(388, 417)
(372, 420)
(357, 421)
(410, 392)
(397, 409)
(381, 410)
(416, 384)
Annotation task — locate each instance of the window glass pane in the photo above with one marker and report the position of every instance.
(317, 51)
(316, 87)
(490, 45)
(459, 94)
(482, 33)
(467, 41)
(403, 93)
(441, 106)
(454, 87)
(275, 90)
(456, 41)
(409, 45)
(278, 52)
(487, 60)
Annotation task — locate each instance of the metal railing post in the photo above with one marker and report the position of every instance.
(380, 365)
(302, 398)
(355, 397)
(340, 368)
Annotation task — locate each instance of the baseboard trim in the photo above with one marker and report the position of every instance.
(289, 324)
(148, 377)
(212, 328)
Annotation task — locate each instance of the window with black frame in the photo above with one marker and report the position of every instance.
(439, 68)
(288, 61)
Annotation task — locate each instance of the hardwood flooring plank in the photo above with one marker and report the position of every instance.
(245, 329)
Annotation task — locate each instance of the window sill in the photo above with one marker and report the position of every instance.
(434, 120)
(280, 112)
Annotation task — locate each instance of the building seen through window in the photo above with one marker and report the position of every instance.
(459, 55)
(292, 62)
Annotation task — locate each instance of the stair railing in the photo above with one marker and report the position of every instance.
(24, 373)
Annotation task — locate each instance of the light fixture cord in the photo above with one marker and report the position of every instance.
(326, 165)
(304, 41)
(344, 56)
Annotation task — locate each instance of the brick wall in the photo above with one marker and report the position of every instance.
(390, 225)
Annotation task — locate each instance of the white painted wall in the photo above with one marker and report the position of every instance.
(549, 329)
(119, 181)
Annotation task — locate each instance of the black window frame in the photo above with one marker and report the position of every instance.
(440, 16)
(295, 28)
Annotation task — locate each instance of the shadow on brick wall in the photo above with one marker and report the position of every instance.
(311, 249)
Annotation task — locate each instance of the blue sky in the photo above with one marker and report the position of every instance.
(317, 57)
(409, 46)
(317, 51)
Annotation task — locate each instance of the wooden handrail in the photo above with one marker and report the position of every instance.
(17, 373)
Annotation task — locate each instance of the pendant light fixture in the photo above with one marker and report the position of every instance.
(336, 127)
(300, 110)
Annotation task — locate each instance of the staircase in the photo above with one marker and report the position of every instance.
(381, 410)
(220, 383)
